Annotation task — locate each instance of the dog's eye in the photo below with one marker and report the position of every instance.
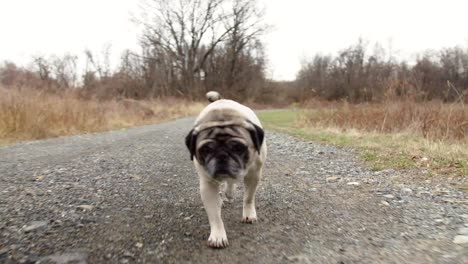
(205, 149)
(238, 147)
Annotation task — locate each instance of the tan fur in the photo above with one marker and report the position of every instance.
(216, 116)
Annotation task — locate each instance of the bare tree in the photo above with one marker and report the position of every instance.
(99, 64)
(243, 46)
(181, 36)
(43, 68)
(178, 29)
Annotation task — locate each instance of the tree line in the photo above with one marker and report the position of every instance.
(357, 74)
(187, 47)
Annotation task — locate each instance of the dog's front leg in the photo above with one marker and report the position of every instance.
(249, 214)
(212, 202)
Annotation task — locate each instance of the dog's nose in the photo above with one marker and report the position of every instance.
(223, 157)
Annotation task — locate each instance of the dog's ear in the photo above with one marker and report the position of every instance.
(190, 142)
(257, 134)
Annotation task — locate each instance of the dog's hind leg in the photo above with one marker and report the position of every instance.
(227, 193)
(229, 190)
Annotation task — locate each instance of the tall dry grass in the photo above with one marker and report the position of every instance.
(433, 120)
(431, 136)
(27, 114)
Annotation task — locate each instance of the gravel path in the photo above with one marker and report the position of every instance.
(132, 197)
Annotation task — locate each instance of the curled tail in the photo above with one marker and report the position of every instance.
(213, 96)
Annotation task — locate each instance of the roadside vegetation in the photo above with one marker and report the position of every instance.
(402, 135)
(31, 114)
(397, 114)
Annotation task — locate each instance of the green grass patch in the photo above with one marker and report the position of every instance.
(279, 118)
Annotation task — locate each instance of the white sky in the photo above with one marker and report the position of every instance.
(302, 28)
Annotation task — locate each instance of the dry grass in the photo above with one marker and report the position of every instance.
(406, 135)
(29, 114)
(431, 120)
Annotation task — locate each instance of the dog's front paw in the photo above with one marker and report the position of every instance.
(218, 240)
(249, 215)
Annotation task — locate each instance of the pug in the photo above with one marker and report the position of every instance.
(227, 146)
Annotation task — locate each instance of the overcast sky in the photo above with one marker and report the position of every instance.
(302, 28)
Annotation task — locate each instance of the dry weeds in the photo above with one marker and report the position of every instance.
(431, 120)
(430, 136)
(27, 114)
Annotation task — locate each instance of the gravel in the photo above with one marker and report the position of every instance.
(132, 197)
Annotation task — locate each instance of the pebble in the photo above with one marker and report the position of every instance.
(3, 250)
(85, 207)
(332, 179)
(406, 190)
(139, 245)
(460, 239)
(389, 196)
(385, 203)
(424, 193)
(35, 225)
(353, 183)
(72, 257)
(448, 256)
(463, 231)
(128, 254)
(298, 258)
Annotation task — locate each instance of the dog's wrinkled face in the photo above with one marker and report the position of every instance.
(225, 151)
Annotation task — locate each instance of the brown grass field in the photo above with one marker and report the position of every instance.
(433, 120)
(29, 114)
